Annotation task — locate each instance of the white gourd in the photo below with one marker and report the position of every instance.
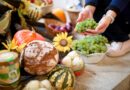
(45, 84)
(43, 89)
(33, 85)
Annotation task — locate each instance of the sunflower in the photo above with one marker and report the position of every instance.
(62, 42)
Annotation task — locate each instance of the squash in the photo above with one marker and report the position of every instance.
(75, 62)
(26, 36)
(60, 14)
(38, 85)
(46, 84)
(32, 85)
(62, 78)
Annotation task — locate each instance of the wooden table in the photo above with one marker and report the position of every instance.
(108, 74)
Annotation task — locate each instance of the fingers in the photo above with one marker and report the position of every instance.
(81, 17)
(84, 15)
(92, 31)
(90, 14)
(101, 27)
(88, 33)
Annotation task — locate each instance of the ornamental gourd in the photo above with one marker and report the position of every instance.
(75, 62)
(38, 85)
(26, 36)
(62, 78)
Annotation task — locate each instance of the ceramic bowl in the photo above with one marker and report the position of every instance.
(92, 58)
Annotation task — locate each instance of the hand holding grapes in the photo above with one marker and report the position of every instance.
(103, 23)
(102, 26)
(87, 12)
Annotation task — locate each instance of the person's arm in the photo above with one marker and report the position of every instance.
(91, 5)
(115, 7)
(91, 2)
(118, 5)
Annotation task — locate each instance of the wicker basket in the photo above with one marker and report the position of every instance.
(73, 16)
(52, 32)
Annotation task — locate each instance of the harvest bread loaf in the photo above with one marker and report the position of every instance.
(39, 57)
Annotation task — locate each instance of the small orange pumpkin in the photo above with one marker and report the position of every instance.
(60, 13)
(26, 36)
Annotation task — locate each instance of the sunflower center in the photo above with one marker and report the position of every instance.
(63, 42)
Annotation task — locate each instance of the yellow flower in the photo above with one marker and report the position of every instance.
(62, 42)
(12, 45)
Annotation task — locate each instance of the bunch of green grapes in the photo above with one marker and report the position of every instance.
(87, 24)
(91, 44)
(81, 46)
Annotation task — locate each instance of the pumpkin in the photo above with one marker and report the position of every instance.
(62, 78)
(39, 57)
(26, 36)
(60, 14)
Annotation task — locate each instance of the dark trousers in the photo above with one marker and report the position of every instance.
(120, 29)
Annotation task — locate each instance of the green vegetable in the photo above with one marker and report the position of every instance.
(87, 24)
(91, 44)
(62, 78)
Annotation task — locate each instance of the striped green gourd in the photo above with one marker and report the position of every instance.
(62, 78)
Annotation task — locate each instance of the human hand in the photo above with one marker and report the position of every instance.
(103, 23)
(87, 12)
(102, 26)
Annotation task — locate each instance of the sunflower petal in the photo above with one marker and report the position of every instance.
(59, 48)
(56, 43)
(57, 39)
(67, 49)
(65, 34)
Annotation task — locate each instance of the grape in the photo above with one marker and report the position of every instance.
(57, 28)
(87, 24)
(91, 44)
(68, 24)
(63, 28)
(68, 27)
